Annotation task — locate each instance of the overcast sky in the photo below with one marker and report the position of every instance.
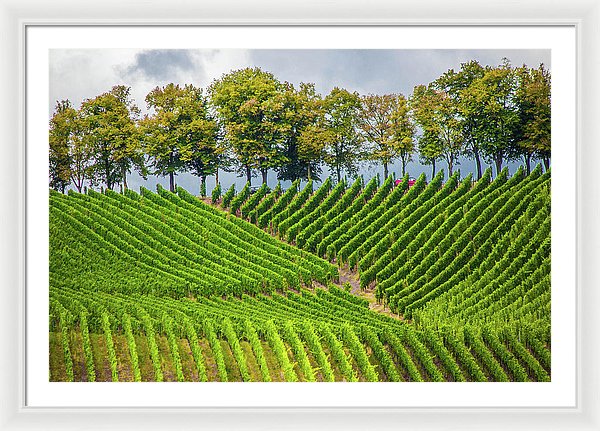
(81, 74)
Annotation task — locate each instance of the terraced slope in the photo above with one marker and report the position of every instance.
(161, 286)
(167, 244)
(326, 335)
(453, 253)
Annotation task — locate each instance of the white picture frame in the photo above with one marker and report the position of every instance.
(16, 16)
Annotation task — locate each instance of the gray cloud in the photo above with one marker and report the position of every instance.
(160, 64)
(378, 70)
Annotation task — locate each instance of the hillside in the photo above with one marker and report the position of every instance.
(161, 286)
(453, 253)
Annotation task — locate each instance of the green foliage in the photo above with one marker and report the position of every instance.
(437, 116)
(404, 358)
(357, 350)
(532, 99)
(167, 324)
(265, 205)
(314, 344)
(298, 349)
(339, 355)
(254, 340)
(228, 197)
(279, 205)
(64, 330)
(467, 264)
(217, 350)
(504, 355)
(251, 203)
(386, 124)
(216, 194)
(251, 105)
(87, 348)
(137, 377)
(181, 134)
(494, 94)
(484, 355)
(381, 354)
(68, 159)
(110, 347)
(108, 129)
(341, 140)
(306, 319)
(192, 338)
(152, 346)
(240, 198)
(303, 108)
(280, 351)
(234, 343)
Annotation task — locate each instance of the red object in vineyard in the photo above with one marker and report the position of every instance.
(411, 182)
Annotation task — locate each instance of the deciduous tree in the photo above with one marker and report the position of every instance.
(385, 123)
(180, 134)
(458, 85)
(201, 148)
(441, 133)
(532, 99)
(110, 133)
(251, 106)
(302, 111)
(62, 134)
(342, 149)
(128, 152)
(494, 94)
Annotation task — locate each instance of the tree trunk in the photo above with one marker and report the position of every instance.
(527, 158)
(124, 171)
(171, 174)
(433, 173)
(217, 177)
(450, 166)
(77, 182)
(478, 163)
(107, 170)
(308, 172)
(403, 167)
(264, 175)
(339, 176)
(547, 163)
(203, 186)
(498, 162)
(385, 171)
(248, 175)
(172, 182)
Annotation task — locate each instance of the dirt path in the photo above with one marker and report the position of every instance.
(347, 276)
(353, 278)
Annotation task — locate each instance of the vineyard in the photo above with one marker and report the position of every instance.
(438, 281)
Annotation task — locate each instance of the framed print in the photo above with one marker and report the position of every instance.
(269, 216)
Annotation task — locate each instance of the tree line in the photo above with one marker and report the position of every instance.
(250, 122)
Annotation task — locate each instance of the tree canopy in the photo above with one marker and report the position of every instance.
(386, 124)
(251, 104)
(251, 122)
(181, 134)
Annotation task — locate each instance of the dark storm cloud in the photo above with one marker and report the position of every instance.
(161, 64)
